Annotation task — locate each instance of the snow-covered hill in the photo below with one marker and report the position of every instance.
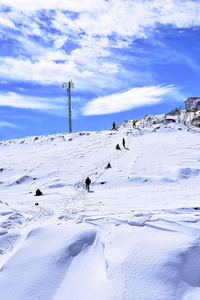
(134, 236)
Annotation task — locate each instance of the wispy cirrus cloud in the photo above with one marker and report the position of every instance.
(28, 102)
(4, 124)
(130, 99)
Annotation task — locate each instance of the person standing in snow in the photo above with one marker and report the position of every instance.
(123, 142)
(108, 166)
(87, 183)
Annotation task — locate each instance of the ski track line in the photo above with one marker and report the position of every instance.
(98, 171)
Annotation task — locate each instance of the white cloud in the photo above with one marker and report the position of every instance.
(27, 102)
(133, 18)
(123, 17)
(177, 12)
(4, 124)
(129, 99)
(76, 6)
(6, 23)
(46, 72)
(96, 28)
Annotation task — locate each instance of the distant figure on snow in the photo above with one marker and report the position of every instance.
(134, 123)
(108, 166)
(123, 142)
(38, 193)
(117, 147)
(114, 126)
(87, 183)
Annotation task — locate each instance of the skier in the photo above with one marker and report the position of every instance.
(123, 142)
(114, 126)
(87, 183)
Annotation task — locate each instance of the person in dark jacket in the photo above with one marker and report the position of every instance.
(123, 142)
(87, 183)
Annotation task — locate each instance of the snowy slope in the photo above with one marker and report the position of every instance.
(134, 236)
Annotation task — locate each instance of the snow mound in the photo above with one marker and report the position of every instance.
(53, 248)
(17, 179)
(185, 173)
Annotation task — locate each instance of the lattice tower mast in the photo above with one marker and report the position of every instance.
(68, 87)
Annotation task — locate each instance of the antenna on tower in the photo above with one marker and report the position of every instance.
(68, 86)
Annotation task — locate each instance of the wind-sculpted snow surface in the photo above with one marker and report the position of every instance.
(134, 236)
(38, 267)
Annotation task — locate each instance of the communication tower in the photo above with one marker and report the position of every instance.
(68, 86)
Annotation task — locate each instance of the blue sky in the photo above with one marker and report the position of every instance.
(126, 58)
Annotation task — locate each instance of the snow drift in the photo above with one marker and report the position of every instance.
(134, 236)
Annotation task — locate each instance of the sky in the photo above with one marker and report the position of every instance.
(125, 58)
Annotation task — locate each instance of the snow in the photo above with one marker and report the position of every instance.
(135, 235)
